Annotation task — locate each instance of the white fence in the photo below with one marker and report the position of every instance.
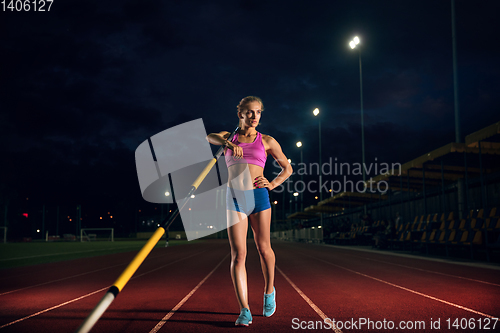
(308, 235)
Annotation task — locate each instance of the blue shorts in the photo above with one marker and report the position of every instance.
(250, 201)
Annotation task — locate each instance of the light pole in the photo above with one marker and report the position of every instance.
(458, 134)
(275, 203)
(284, 194)
(462, 200)
(316, 114)
(299, 145)
(353, 44)
(295, 194)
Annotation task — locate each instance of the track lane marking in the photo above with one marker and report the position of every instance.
(308, 300)
(419, 269)
(427, 271)
(416, 257)
(66, 253)
(59, 280)
(70, 277)
(54, 307)
(185, 299)
(92, 293)
(24, 274)
(406, 289)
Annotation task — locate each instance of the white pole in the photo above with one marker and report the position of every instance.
(96, 313)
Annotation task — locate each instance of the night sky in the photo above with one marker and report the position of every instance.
(84, 84)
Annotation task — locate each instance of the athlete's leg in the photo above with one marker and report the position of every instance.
(261, 226)
(237, 234)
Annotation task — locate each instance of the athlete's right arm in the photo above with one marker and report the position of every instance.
(220, 139)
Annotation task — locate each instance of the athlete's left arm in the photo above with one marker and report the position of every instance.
(274, 149)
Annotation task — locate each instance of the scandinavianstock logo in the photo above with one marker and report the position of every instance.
(336, 169)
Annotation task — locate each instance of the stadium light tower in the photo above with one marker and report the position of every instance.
(299, 145)
(354, 44)
(316, 114)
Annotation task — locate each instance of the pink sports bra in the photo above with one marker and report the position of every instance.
(253, 152)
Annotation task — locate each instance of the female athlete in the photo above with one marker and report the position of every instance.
(248, 199)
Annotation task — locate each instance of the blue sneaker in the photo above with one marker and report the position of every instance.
(270, 303)
(245, 318)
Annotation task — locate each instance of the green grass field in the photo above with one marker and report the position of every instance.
(27, 254)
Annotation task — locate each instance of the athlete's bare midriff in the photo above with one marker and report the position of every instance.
(236, 178)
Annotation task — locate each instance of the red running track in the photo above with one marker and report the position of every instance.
(188, 289)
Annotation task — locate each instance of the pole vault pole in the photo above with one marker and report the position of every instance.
(123, 279)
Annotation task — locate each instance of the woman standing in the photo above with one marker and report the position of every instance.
(246, 154)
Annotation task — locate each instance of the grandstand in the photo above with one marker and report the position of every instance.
(448, 201)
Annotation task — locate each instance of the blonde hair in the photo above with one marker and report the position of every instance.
(245, 101)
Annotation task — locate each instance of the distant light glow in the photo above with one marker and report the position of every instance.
(316, 112)
(37, 230)
(289, 161)
(299, 144)
(295, 194)
(354, 42)
(192, 196)
(275, 202)
(319, 227)
(167, 194)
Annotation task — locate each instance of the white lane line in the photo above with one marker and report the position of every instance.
(406, 289)
(94, 292)
(59, 280)
(52, 308)
(308, 301)
(427, 271)
(416, 257)
(420, 269)
(17, 276)
(66, 253)
(69, 277)
(184, 300)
